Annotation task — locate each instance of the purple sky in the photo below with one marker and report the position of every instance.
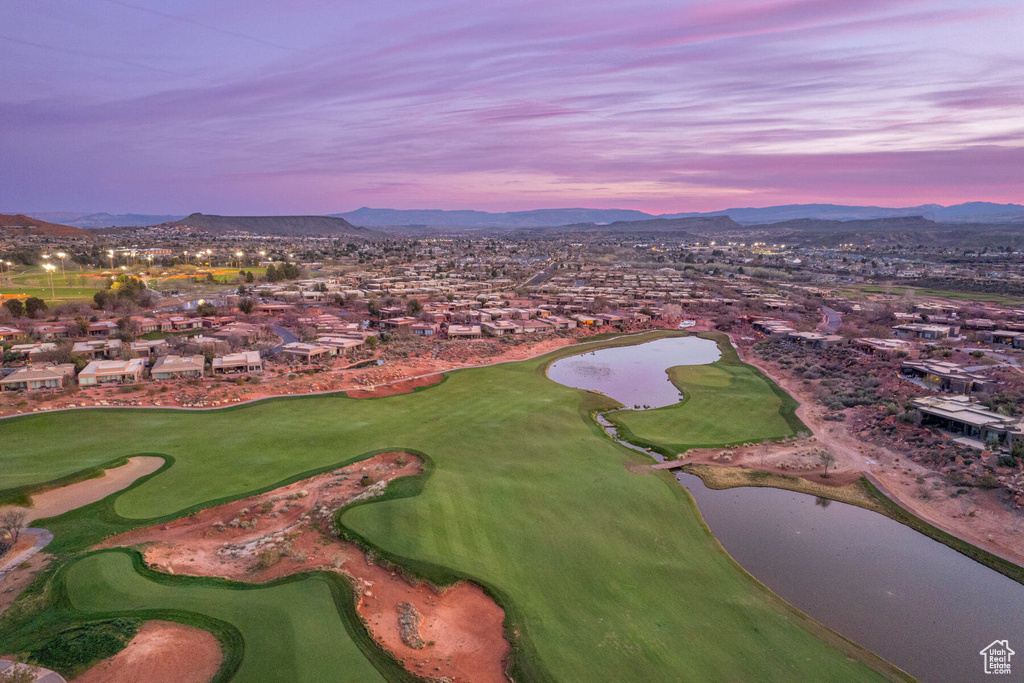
(663, 105)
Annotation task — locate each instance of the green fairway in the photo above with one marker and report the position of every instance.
(73, 285)
(292, 630)
(899, 289)
(726, 402)
(605, 574)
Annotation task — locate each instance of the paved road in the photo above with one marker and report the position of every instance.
(286, 337)
(43, 537)
(830, 324)
(42, 675)
(542, 276)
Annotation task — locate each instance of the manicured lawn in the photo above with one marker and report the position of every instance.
(898, 289)
(292, 630)
(606, 574)
(74, 285)
(725, 402)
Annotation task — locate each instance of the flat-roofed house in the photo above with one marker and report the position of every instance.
(815, 340)
(103, 328)
(400, 323)
(9, 333)
(531, 326)
(246, 362)
(48, 376)
(339, 343)
(962, 416)
(178, 367)
(882, 347)
(33, 349)
(148, 347)
(946, 376)
(51, 331)
(97, 348)
(560, 323)
(307, 352)
(922, 331)
(499, 328)
(111, 372)
(464, 332)
(425, 329)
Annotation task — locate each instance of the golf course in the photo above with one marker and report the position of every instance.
(605, 570)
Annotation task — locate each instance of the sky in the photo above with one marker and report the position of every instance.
(321, 106)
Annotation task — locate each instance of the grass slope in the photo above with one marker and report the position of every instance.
(605, 574)
(292, 630)
(725, 402)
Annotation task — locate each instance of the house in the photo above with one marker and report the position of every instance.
(148, 347)
(178, 367)
(881, 347)
(111, 372)
(944, 376)
(48, 376)
(922, 331)
(976, 425)
(499, 328)
(243, 332)
(307, 352)
(339, 343)
(396, 324)
(425, 329)
(30, 350)
(1004, 337)
(464, 332)
(587, 321)
(772, 327)
(51, 331)
(560, 323)
(531, 326)
(98, 348)
(9, 333)
(102, 328)
(246, 362)
(815, 340)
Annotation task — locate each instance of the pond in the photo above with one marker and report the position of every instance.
(635, 375)
(912, 600)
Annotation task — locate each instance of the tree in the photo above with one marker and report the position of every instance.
(34, 306)
(414, 307)
(15, 307)
(272, 275)
(206, 309)
(827, 459)
(12, 520)
(246, 306)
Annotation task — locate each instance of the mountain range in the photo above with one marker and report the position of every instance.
(274, 225)
(971, 212)
(25, 225)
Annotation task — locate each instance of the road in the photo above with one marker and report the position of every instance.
(831, 321)
(286, 337)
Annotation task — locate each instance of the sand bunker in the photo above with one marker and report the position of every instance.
(456, 633)
(161, 652)
(58, 501)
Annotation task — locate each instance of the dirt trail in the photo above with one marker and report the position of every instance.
(58, 501)
(979, 519)
(161, 652)
(460, 632)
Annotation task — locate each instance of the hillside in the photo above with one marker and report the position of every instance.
(107, 220)
(20, 224)
(274, 225)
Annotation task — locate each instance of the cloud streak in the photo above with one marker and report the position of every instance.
(513, 106)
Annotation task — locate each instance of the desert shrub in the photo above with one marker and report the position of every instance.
(74, 649)
(986, 481)
(365, 480)
(268, 558)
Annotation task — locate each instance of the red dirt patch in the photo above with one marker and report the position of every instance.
(287, 531)
(161, 652)
(394, 389)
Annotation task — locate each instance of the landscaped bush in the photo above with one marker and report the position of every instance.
(72, 650)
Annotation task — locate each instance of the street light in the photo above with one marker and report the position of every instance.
(110, 253)
(61, 255)
(239, 254)
(49, 269)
